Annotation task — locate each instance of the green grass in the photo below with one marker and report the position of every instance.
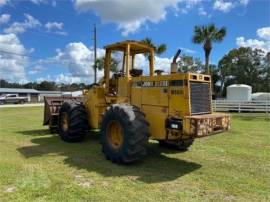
(37, 166)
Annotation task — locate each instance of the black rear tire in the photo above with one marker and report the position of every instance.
(75, 115)
(135, 133)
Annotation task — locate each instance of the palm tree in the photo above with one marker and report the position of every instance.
(159, 49)
(114, 64)
(206, 35)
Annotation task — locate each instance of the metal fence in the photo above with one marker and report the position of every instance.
(240, 106)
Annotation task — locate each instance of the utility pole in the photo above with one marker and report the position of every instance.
(95, 53)
(268, 71)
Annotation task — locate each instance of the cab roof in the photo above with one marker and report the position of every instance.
(136, 47)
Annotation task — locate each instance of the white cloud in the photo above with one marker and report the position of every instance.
(46, 78)
(11, 43)
(55, 27)
(12, 61)
(262, 43)
(202, 12)
(191, 3)
(223, 6)
(54, 4)
(36, 69)
(131, 27)
(141, 62)
(79, 60)
(253, 43)
(68, 78)
(226, 6)
(264, 33)
(3, 2)
(186, 5)
(187, 50)
(4, 18)
(129, 15)
(163, 64)
(244, 2)
(37, 2)
(61, 33)
(20, 27)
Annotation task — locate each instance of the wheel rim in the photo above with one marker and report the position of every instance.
(65, 121)
(115, 134)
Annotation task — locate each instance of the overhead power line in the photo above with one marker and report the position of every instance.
(18, 54)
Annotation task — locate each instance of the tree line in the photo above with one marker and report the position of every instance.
(45, 85)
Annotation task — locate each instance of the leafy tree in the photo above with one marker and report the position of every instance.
(190, 64)
(159, 49)
(46, 85)
(30, 85)
(82, 86)
(74, 87)
(245, 66)
(267, 69)
(225, 73)
(3, 83)
(206, 35)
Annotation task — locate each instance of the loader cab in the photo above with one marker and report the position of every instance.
(118, 84)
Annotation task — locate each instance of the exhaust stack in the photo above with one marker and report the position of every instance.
(174, 65)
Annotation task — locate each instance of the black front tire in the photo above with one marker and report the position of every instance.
(135, 134)
(181, 145)
(77, 123)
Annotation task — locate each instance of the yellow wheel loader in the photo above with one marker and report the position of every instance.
(130, 107)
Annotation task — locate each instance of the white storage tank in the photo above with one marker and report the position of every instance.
(239, 92)
(260, 96)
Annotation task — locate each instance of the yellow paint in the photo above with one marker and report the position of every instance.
(115, 134)
(156, 116)
(95, 105)
(159, 96)
(123, 87)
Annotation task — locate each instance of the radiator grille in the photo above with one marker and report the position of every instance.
(200, 98)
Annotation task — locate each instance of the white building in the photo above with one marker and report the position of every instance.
(43, 93)
(37, 95)
(31, 94)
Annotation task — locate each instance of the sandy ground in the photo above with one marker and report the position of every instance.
(22, 105)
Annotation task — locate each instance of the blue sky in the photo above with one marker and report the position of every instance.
(51, 40)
